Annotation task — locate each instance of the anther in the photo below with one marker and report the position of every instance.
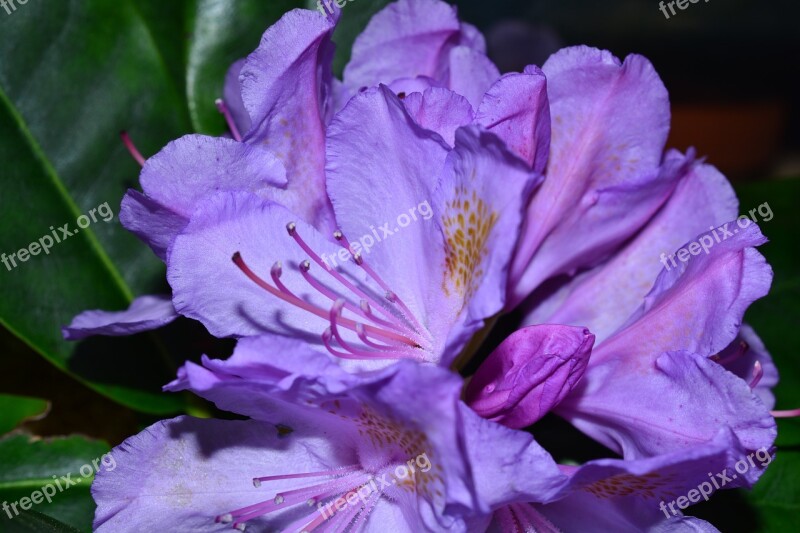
(338, 235)
(226, 518)
(223, 109)
(291, 227)
(256, 482)
(785, 414)
(305, 265)
(758, 373)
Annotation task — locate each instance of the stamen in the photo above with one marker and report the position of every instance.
(327, 335)
(276, 271)
(293, 497)
(366, 340)
(291, 228)
(294, 300)
(740, 351)
(758, 373)
(223, 109)
(135, 153)
(305, 266)
(331, 472)
(785, 414)
(359, 260)
(361, 521)
(372, 316)
(336, 311)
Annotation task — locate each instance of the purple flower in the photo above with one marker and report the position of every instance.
(424, 242)
(279, 103)
(323, 450)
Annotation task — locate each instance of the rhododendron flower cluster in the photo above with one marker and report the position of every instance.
(547, 191)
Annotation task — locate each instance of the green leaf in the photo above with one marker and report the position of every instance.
(28, 466)
(33, 522)
(73, 74)
(222, 32)
(16, 409)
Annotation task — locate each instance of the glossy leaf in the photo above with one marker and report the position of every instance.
(26, 466)
(16, 409)
(33, 522)
(72, 75)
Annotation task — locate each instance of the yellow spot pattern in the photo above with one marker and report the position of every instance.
(385, 433)
(647, 486)
(468, 222)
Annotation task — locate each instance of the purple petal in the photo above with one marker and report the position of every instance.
(481, 221)
(471, 73)
(179, 474)
(188, 171)
(382, 172)
(153, 223)
(698, 306)
(208, 286)
(529, 373)
(144, 314)
(287, 91)
(195, 167)
(516, 109)
(627, 495)
(429, 421)
(508, 465)
(662, 353)
(412, 38)
(406, 39)
(609, 126)
(439, 110)
(680, 400)
(603, 300)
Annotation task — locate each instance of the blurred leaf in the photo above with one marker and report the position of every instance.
(776, 318)
(222, 32)
(16, 409)
(26, 466)
(33, 522)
